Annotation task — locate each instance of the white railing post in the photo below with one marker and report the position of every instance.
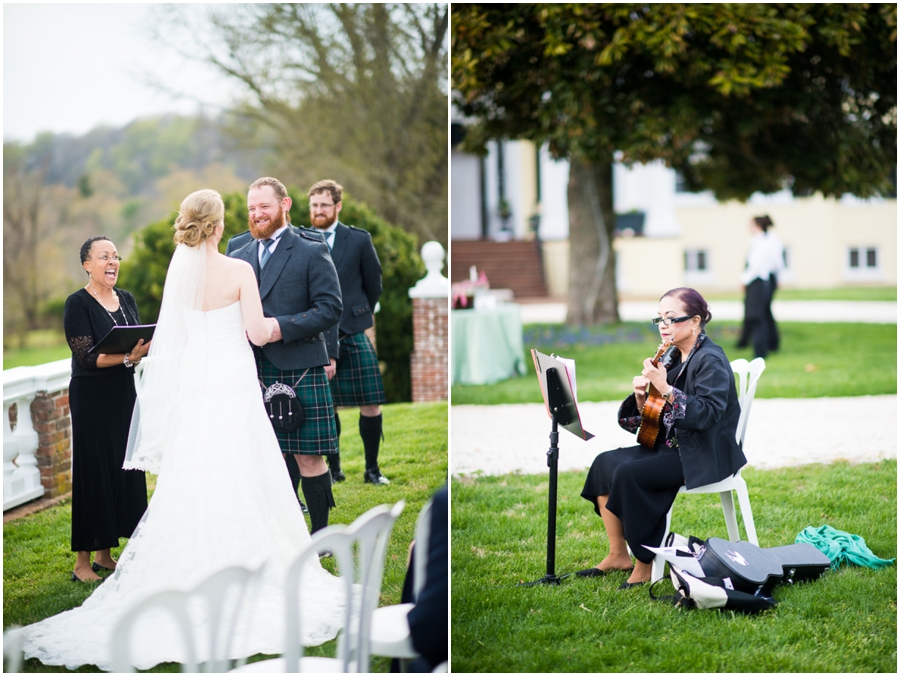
(12, 485)
(21, 385)
(27, 441)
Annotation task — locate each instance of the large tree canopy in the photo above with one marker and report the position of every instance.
(352, 92)
(739, 98)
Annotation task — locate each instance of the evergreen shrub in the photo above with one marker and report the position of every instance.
(144, 272)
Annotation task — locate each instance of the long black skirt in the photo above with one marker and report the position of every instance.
(107, 501)
(641, 485)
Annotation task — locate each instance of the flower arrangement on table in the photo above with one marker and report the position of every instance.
(463, 293)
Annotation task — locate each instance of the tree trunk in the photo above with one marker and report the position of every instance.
(593, 298)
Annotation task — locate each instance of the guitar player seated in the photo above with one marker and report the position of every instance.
(685, 411)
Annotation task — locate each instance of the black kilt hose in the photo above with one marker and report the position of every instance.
(357, 380)
(318, 434)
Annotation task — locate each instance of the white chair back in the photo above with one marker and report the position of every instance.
(222, 595)
(359, 551)
(13, 638)
(420, 558)
(170, 600)
(747, 375)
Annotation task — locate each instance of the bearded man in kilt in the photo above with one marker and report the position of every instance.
(357, 378)
(301, 295)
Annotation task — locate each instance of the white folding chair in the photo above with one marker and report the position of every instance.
(221, 595)
(13, 638)
(359, 550)
(747, 376)
(390, 627)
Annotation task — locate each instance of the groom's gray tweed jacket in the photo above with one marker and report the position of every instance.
(299, 287)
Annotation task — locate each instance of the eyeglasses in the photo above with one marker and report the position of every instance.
(106, 258)
(315, 207)
(668, 321)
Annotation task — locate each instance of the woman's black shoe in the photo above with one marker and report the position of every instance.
(96, 567)
(75, 578)
(629, 585)
(590, 572)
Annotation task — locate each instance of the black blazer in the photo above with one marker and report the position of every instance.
(298, 286)
(359, 271)
(428, 618)
(706, 444)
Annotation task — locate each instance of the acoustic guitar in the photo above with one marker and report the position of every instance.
(652, 411)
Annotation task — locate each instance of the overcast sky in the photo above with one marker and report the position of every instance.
(70, 67)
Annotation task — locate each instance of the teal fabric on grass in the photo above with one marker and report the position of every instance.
(842, 547)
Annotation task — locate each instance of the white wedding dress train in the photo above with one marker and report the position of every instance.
(223, 497)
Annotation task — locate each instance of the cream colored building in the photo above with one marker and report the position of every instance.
(688, 238)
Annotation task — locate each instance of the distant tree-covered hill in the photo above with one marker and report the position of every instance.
(61, 189)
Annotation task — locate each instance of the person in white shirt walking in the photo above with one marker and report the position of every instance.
(765, 260)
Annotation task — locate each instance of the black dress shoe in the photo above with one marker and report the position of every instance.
(374, 476)
(303, 508)
(629, 585)
(337, 476)
(96, 567)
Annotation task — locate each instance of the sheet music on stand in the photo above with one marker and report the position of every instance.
(560, 394)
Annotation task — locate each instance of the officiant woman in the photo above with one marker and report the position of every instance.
(107, 501)
(632, 488)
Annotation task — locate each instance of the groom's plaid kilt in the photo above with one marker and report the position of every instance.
(357, 380)
(318, 434)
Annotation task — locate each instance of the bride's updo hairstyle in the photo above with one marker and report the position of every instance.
(694, 304)
(199, 215)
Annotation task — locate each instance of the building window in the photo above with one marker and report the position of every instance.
(696, 260)
(863, 264)
(863, 258)
(698, 268)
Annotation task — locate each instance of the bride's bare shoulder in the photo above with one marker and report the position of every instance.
(229, 263)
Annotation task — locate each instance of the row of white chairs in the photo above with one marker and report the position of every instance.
(359, 551)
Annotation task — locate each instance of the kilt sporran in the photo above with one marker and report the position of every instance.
(282, 405)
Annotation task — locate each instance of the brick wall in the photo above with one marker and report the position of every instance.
(50, 415)
(429, 361)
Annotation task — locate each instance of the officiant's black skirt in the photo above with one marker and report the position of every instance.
(641, 485)
(107, 501)
(318, 433)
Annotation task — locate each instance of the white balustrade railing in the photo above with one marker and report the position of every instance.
(21, 476)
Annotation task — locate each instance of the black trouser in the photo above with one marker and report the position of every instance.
(759, 324)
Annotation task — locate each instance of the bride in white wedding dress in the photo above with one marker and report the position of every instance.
(223, 496)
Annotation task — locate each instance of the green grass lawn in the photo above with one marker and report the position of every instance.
(41, 347)
(843, 622)
(815, 360)
(37, 561)
(842, 293)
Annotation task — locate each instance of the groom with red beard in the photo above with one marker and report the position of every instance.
(301, 295)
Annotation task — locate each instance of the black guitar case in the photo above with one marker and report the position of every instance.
(755, 570)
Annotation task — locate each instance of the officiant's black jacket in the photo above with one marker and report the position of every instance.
(298, 286)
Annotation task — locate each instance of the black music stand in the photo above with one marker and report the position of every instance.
(563, 410)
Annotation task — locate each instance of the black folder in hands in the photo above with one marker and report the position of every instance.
(122, 339)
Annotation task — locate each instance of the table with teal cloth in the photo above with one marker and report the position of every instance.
(487, 345)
